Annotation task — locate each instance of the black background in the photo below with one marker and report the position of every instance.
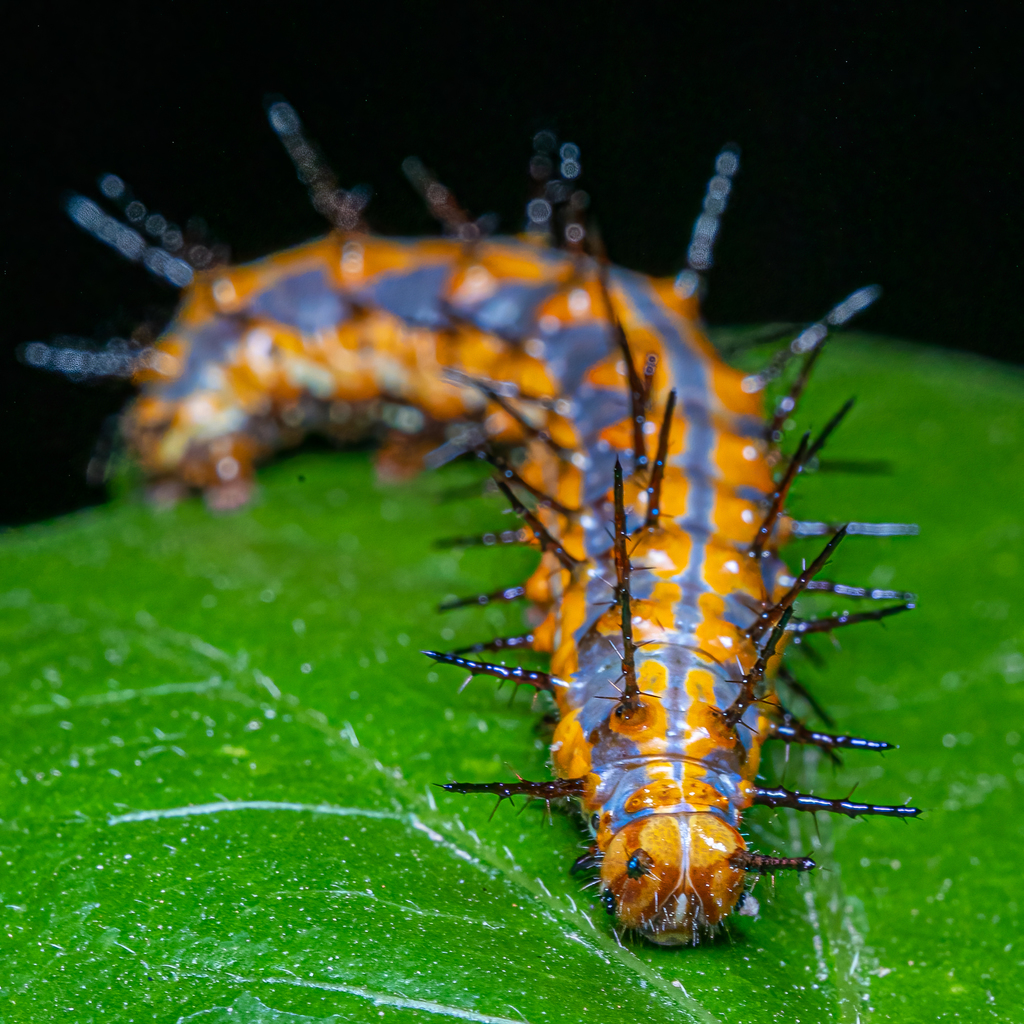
(879, 145)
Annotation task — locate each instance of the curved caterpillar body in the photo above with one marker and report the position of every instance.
(647, 466)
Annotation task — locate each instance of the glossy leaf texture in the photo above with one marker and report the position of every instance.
(219, 745)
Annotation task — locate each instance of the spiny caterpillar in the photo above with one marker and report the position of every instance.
(641, 466)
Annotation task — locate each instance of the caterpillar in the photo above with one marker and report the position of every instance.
(643, 469)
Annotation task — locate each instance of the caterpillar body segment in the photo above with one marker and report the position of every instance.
(641, 466)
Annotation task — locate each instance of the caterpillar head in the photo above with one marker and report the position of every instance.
(671, 876)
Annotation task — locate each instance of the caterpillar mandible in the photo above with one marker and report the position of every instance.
(641, 465)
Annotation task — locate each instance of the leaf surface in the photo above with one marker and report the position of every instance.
(220, 740)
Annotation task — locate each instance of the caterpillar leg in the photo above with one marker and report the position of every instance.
(779, 797)
(401, 456)
(227, 497)
(223, 469)
(546, 791)
(586, 861)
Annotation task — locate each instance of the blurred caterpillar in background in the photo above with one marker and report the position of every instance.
(640, 464)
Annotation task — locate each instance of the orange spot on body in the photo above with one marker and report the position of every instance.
(571, 615)
(741, 461)
(721, 639)
(727, 385)
(544, 634)
(570, 751)
(647, 724)
(664, 793)
(701, 795)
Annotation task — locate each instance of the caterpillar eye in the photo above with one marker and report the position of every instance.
(640, 863)
(608, 899)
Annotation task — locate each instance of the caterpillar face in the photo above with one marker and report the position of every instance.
(671, 875)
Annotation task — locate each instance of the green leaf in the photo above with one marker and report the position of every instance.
(220, 740)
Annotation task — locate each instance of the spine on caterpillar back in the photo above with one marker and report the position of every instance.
(666, 604)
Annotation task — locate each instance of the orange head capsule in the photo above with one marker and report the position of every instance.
(671, 876)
